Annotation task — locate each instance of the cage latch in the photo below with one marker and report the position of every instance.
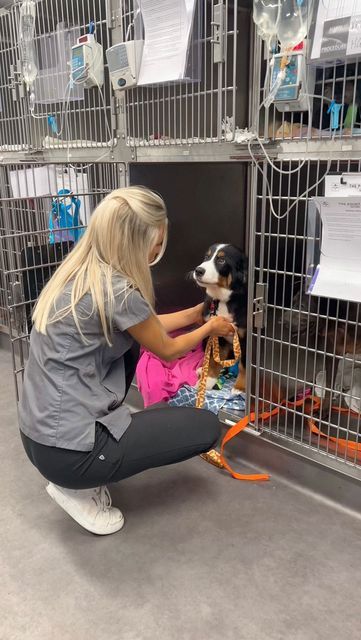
(16, 82)
(259, 306)
(218, 39)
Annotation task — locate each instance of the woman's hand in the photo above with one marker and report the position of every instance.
(152, 335)
(220, 327)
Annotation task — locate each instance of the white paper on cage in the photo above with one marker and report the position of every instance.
(354, 38)
(338, 274)
(77, 183)
(34, 182)
(167, 30)
(342, 185)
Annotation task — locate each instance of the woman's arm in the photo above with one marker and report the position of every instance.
(181, 319)
(152, 335)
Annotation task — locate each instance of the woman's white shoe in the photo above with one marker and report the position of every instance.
(91, 508)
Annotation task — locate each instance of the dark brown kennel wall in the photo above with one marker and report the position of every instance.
(206, 203)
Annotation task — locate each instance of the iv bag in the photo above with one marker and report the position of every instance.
(26, 42)
(265, 16)
(294, 21)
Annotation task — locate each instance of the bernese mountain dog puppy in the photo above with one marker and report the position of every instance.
(223, 274)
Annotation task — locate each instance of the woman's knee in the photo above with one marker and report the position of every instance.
(178, 426)
(208, 427)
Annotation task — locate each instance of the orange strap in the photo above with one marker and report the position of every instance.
(234, 430)
(350, 446)
(213, 346)
(238, 428)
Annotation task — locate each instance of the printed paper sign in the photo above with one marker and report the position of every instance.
(338, 275)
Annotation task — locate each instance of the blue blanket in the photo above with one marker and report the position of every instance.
(215, 400)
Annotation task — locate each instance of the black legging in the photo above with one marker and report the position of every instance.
(157, 436)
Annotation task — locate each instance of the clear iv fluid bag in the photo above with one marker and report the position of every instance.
(26, 42)
(265, 16)
(294, 21)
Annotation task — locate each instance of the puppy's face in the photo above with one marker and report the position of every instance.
(222, 271)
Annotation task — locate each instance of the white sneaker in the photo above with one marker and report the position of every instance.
(91, 508)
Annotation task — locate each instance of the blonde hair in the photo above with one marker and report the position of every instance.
(122, 232)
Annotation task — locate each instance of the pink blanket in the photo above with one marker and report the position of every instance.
(158, 381)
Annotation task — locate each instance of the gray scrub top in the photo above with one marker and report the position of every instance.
(70, 385)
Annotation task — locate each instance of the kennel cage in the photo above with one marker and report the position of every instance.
(178, 119)
(294, 337)
(211, 108)
(63, 117)
(289, 329)
(30, 246)
(324, 83)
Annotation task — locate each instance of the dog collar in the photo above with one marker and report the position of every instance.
(213, 307)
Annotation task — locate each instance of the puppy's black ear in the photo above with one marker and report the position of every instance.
(240, 274)
(206, 307)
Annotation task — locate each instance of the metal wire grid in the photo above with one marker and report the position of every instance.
(194, 112)
(291, 349)
(3, 304)
(339, 82)
(27, 259)
(83, 117)
(12, 116)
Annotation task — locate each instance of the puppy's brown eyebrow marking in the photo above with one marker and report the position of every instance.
(221, 254)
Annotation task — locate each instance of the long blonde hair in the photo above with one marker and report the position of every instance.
(122, 232)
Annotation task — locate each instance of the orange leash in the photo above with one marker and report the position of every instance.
(218, 459)
(349, 446)
(238, 428)
(232, 433)
(213, 456)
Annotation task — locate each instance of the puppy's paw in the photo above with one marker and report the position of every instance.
(210, 383)
(236, 392)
